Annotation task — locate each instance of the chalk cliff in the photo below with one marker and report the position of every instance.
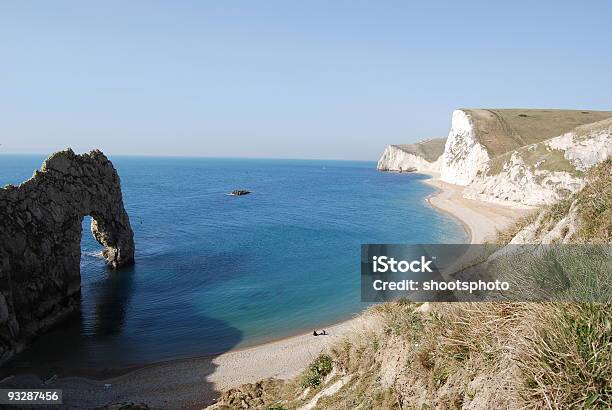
(544, 172)
(517, 157)
(464, 156)
(424, 156)
(40, 241)
(583, 217)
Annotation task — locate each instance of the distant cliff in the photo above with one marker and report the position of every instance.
(519, 157)
(527, 157)
(40, 241)
(423, 156)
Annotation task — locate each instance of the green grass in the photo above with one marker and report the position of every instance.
(504, 130)
(594, 210)
(558, 272)
(536, 156)
(479, 355)
(595, 202)
(566, 362)
(317, 371)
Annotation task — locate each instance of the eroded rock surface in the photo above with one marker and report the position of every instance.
(40, 241)
(424, 156)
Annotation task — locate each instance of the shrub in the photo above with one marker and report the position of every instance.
(317, 371)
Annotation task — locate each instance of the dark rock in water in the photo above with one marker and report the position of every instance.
(239, 192)
(40, 241)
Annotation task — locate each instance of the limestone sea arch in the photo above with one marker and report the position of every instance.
(40, 241)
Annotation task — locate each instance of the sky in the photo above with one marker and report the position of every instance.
(285, 79)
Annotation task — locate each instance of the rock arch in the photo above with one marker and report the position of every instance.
(40, 241)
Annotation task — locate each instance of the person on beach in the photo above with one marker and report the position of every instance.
(314, 333)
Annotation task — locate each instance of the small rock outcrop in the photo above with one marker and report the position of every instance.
(239, 192)
(40, 241)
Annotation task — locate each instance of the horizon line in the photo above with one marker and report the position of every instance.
(180, 156)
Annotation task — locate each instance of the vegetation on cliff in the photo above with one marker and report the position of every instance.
(430, 150)
(582, 217)
(505, 130)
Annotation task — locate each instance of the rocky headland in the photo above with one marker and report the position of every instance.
(522, 158)
(40, 241)
(423, 156)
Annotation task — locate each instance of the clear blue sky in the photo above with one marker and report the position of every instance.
(314, 79)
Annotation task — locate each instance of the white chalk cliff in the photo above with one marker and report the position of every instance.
(424, 156)
(464, 156)
(546, 172)
(491, 159)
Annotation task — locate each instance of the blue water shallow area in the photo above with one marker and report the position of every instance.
(215, 272)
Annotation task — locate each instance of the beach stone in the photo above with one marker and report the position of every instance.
(40, 241)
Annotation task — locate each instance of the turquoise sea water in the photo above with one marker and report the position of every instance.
(215, 272)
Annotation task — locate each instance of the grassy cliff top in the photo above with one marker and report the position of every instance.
(430, 149)
(504, 130)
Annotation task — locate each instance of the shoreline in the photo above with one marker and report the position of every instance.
(467, 228)
(196, 382)
(481, 220)
(112, 373)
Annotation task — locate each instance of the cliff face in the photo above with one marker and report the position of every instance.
(40, 241)
(421, 157)
(517, 157)
(583, 217)
(544, 172)
(464, 156)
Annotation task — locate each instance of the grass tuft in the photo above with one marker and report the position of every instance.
(565, 359)
(316, 372)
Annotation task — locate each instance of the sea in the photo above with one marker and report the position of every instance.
(215, 272)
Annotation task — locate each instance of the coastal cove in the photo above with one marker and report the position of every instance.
(216, 273)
